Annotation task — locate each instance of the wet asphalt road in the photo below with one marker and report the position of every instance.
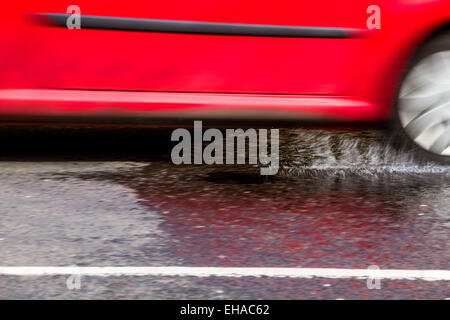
(111, 197)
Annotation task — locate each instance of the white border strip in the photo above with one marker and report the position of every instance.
(428, 275)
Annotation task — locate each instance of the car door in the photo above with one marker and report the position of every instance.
(109, 59)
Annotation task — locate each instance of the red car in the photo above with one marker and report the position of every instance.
(356, 60)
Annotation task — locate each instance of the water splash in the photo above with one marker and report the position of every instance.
(315, 152)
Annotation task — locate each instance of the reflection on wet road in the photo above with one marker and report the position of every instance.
(111, 197)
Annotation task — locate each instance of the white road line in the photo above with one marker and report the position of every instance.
(428, 275)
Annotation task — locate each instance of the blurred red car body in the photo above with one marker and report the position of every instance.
(47, 69)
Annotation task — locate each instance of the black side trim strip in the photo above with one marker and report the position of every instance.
(191, 27)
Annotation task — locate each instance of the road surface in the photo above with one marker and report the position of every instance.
(110, 197)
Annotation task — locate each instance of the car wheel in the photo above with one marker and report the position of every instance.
(423, 106)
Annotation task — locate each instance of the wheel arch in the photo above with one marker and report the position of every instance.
(410, 54)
